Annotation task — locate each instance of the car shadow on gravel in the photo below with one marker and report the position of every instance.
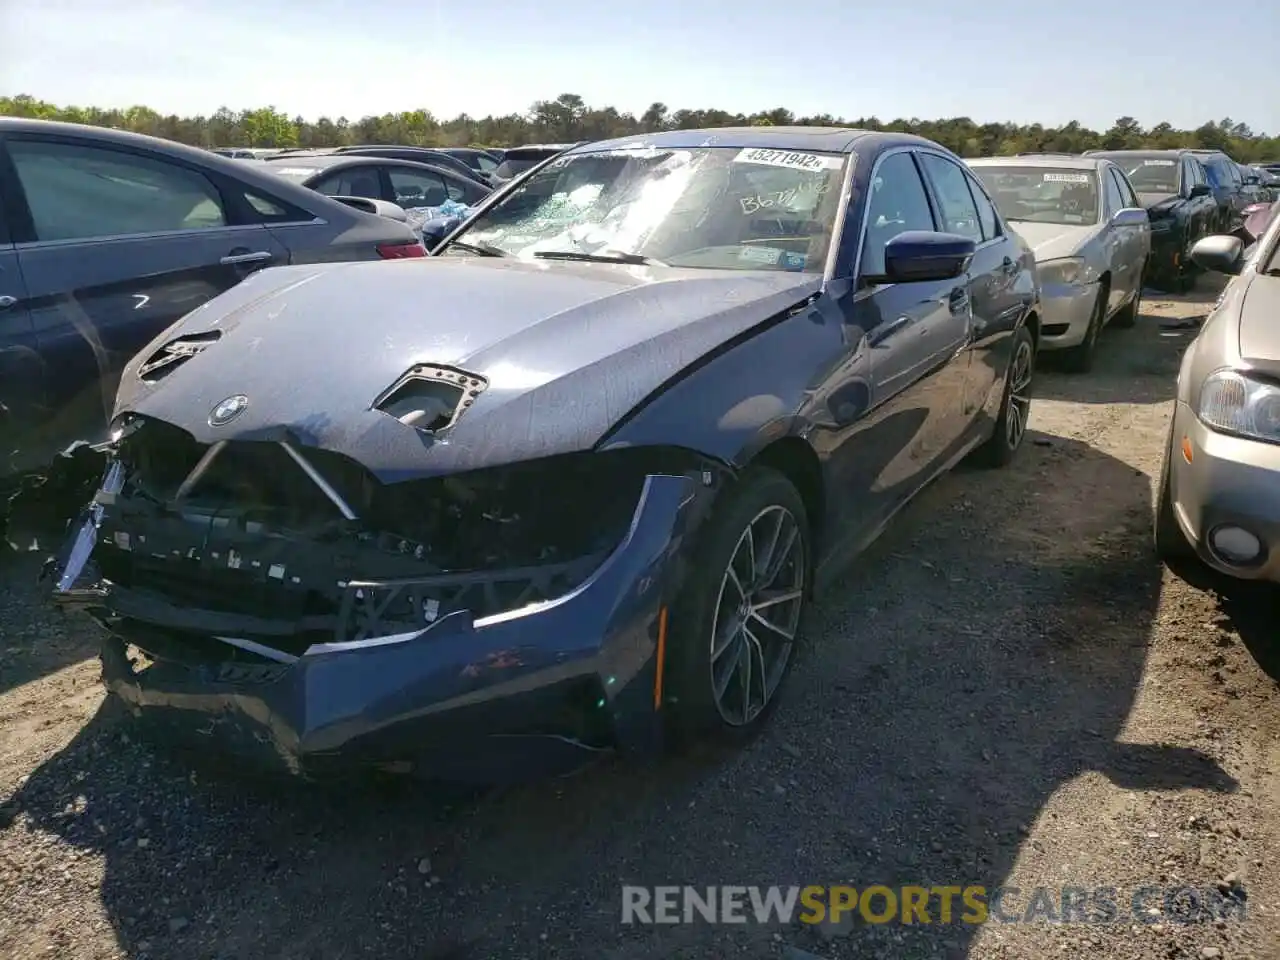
(983, 654)
(1139, 365)
(36, 640)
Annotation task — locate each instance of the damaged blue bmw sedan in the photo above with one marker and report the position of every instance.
(567, 485)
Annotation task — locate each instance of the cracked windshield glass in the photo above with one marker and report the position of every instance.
(721, 208)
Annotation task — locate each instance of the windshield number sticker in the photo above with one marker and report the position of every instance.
(1066, 178)
(1157, 163)
(296, 171)
(789, 159)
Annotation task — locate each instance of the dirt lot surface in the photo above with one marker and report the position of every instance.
(1007, 691)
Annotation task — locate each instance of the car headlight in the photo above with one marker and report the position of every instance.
(1065, 270)
(1231, 402)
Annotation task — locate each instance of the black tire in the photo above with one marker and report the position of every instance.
(1079, 359)
(1007, 439)
(1128, 315)
(693, 707)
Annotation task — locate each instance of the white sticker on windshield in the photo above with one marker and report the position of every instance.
(753, 254)
(294, 171)
(1157, 163)
(790, 159)
(1066, 178)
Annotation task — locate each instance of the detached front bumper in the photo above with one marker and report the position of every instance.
(1230, 482)
(1065, 309)
(533, 690)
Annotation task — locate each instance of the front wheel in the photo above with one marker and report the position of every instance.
(1015, 407)
(1079, 359)
(735, 624)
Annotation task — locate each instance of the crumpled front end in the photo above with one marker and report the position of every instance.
(284, 602)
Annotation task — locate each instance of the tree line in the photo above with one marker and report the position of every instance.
(569, 118)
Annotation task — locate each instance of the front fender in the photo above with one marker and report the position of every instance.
(758, 391)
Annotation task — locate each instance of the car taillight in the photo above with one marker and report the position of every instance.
(398, 251)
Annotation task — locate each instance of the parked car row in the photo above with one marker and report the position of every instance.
(568, 484)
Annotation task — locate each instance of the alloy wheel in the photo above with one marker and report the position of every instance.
(1019, 395)
(757, 615)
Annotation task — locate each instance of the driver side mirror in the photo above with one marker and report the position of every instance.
(917, 256)
(1200, 190)
(1221, 254)
(1130, 217)
(435, 230)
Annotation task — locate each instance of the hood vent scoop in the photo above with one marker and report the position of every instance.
(430, 398)
(173, 354)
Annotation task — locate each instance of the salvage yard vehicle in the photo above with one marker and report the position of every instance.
(1229, 189)
(567, 485)
(107, 238)
(401, 182)
(1219, 496)
(1091, 239)
(518, 160)
(1174, 187)
(428, 155)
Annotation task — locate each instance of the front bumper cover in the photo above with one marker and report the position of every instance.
(537, 688)
(1230, 480)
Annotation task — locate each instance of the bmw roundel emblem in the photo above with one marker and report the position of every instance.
(228, 410)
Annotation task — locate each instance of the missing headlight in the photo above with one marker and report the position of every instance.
(431, 398)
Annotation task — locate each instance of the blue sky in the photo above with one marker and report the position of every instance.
(992, 60)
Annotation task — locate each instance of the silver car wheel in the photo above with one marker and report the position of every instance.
(757, 615)
(1019, 395)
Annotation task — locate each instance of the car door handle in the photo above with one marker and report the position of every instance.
(234, 259)
(7, 301)
(958, 300)
(882, 333)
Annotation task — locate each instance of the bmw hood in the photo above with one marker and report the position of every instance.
(557, 353)
(1053, 240)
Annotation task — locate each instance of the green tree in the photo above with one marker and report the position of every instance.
(568, 117)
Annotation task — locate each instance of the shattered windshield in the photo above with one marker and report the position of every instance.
(1042, 194)
(714, 207)
(1151, 174)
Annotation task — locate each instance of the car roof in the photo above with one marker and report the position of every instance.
(822, 139)
(1061, 161)
(252, 173)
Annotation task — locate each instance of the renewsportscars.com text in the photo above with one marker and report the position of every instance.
(971, 904)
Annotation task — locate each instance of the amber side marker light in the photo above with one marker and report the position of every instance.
(1187, 452)
(661, 658)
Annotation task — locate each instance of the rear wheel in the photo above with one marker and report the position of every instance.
(736, 622)
(1015, 407)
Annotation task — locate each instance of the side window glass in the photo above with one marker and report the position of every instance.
(359, 182)
(417, 188)
(1127, 198)
(959, 213)
(986, 211)
(79, 192)
(273, 211)
(897, 203)
(1115, 200)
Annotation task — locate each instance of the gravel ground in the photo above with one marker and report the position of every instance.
(1007, 690)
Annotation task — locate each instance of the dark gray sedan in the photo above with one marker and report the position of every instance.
(107, 238)
(1219, 498)
(401, 182)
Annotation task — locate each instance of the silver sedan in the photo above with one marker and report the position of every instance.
(1219, 496)
(1091, 239)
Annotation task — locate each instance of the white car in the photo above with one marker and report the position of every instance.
(1091, 238)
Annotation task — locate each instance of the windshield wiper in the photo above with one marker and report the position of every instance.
(616, 257)
(480, 247)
